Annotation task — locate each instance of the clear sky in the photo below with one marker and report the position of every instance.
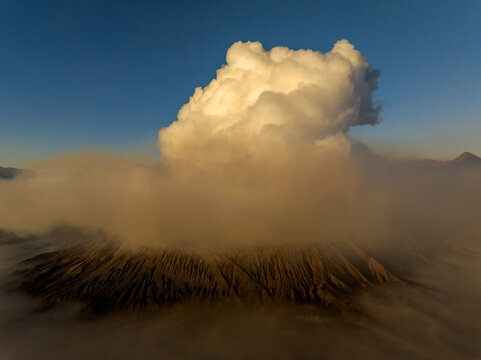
(77, 74)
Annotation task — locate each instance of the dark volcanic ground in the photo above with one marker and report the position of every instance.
(437, 317)
(105, 277)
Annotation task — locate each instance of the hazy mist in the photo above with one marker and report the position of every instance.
(260, 156)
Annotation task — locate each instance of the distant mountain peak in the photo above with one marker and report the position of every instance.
(465, 160)
(467, 156)
(8, 173)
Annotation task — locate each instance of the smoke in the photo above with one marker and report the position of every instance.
(260, 156)
(439, 320)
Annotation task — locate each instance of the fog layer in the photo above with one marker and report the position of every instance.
(259, 156)
(437, 319)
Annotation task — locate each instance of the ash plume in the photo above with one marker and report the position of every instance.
(260, 156)
(257, 157)
(259, 193)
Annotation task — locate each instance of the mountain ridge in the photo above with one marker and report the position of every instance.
(9, 172)
(466, 156)
(108, 278)
(466, 159)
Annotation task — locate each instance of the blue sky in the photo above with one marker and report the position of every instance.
(77, 74)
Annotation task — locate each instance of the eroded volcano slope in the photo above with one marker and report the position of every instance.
(107, 277)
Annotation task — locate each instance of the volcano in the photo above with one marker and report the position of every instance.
(105, 277)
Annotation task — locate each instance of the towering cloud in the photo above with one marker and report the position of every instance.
(259, 156)
(268, 101)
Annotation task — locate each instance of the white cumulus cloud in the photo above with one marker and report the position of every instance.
(265, 101)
